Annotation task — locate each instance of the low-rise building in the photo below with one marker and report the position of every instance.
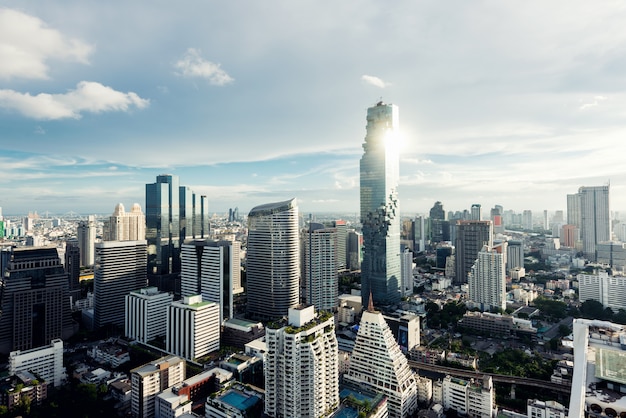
(469, 397)
(14, 389)
(46, 362)
(236, 401)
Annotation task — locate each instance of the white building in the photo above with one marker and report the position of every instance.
(377, 363)
(424, 389)
(406, 272)
(45, 362)
(469, 397)
(193, 327)
(610, 291)
(86, 235)
(126, 226)
(301, 366)
(547, 409)
(212, 269)
(170, 404)
(599, 377)
(146, 314)
(319, 266)
(487, 279)
(237, 401)
(149, 380)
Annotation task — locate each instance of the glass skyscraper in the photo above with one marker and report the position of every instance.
(273, 260)
(380, 212)
(163, 225)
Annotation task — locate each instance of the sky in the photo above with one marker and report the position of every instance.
(516, 103)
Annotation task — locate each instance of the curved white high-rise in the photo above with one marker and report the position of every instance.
(273, 260)
(380, 211)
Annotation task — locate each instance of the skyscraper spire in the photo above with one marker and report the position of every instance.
(370, 305)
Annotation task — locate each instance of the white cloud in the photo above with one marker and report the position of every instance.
(26, 44)
(193, 65)
(375, 81)
(596, 101)
(88, 96)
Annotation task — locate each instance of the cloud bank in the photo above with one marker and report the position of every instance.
(26, 44)
(89, 96)
(375, 81)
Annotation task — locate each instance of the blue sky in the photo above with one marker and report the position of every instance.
(512, 103)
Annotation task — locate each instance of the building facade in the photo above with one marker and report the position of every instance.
(146, 314)
(273, 260)
(125, 226)
(380, 210)
(46, 362)
(212, 269)
(86, 235)
(193, 327)
(149, 380)
(487, 279)
(301, 366)
(471, 236)
(120, 268)
(377, 364)
(319, 266)
(34, 299)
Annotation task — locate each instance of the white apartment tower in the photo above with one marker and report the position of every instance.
(125, 226)
(46, 362)
(193, 327)
(149, 380)
(469, 397)
(319, 267)
(378, 364)
(487, 279)
(406, 268)
(301, 366)
(212, 269)
(146, 314)
(120, 268)
(86, 235)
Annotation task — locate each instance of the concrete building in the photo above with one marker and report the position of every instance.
(125, 226)
(273, 260)
(149, 380)
(86, 234)
(590, 213)
(212, 269)
(46, 362)
(380, 210)
(406, 272)
(487, 279)
(471, 236)
(613, 254)
(469, 397)
(237, 401)
(377, 364)
(320, 284)
(146, 314)
(610, 291)
(120, 268)
(301, 366)
(514, 255)
(545, 409)
(193, 328)
(354, 250)
(34, 299)
(598, 379)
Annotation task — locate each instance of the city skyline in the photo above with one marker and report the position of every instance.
(500, 103)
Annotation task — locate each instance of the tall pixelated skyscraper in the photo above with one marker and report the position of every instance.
(380, 211)
(34, 299)
(273, 260)
(487, 278)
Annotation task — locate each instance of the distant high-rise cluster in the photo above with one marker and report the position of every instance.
(380, 210)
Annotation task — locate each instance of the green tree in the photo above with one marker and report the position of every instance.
(592, 309)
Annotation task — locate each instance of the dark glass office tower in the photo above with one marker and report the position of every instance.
(380, 211)
(163, 225)
(34, 299)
